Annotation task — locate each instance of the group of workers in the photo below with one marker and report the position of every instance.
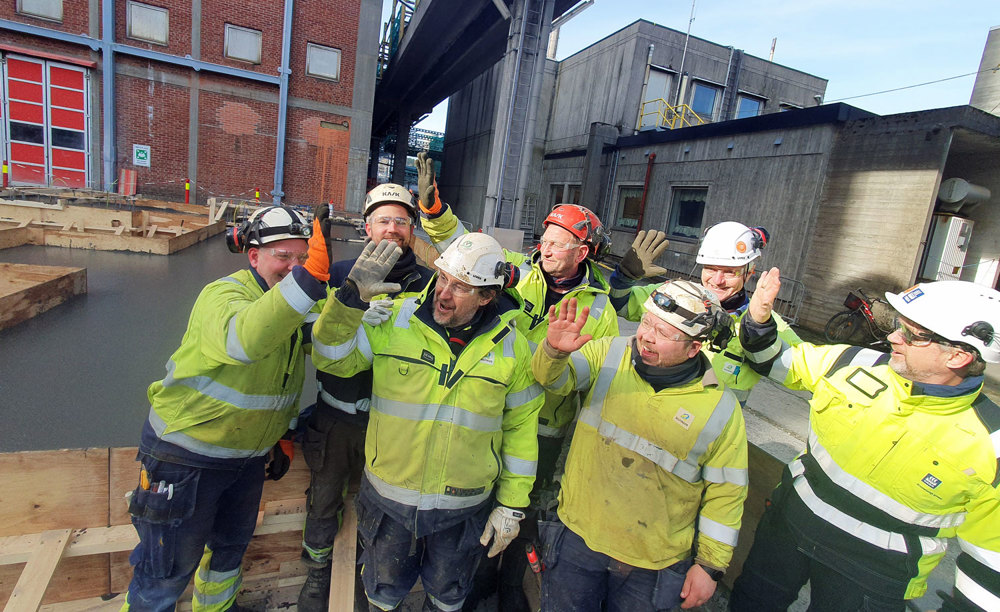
(451, 392)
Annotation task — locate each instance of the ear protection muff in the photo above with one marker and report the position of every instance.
(981, 330)
(508, 273)
(722, 331)
(760, 237)
(601, 244)
(237, 238)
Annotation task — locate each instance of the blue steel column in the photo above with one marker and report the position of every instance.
(279, 152)
(108, 92)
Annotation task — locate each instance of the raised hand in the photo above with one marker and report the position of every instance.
(371, 268)
(564, 326)
(638, 261)
(762, 301)
(427, 184)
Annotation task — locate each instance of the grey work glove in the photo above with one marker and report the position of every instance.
(379, 311)
(638, 261)
(371, 268)
(427, 185)
(503, 526)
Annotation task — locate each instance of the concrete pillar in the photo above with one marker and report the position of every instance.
(986, 90)
(402, 146)
(592, 192)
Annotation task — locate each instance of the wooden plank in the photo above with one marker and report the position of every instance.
(73, 579)
(27, 290)
(34, 581)
(344, 560)
(151, 231)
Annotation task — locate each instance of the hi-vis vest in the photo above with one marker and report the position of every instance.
(232, 388)
(729, 363)
(646, 468)
(443, 431)
(890, 473)
(558, 411)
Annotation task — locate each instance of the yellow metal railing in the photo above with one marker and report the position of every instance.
(666, 116)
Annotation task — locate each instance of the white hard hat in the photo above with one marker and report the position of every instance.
(959, 311)
(476, 259)
(272, 224)
(731, 244)
(690, 308)
(390, 193)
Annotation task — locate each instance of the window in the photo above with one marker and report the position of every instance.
(748, 107)
(655, 102)
(785, 106)
(703, 100)
(242, 44)
(43, 9)
(629, 206)
(148, 23)
(687, 209)
(323, 62)
(561, 193)
(573, 194)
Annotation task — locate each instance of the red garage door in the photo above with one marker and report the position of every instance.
(46, 122)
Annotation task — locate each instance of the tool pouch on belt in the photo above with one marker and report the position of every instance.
(157, 516)
(550, 534)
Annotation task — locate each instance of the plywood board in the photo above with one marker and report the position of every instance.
(11, 237)
(74, 578)
(123, 476)
(27, 291)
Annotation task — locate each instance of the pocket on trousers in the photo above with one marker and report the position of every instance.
(550, 535)
(157, 517)
(314, 448)
(369, 519)
(669, 582)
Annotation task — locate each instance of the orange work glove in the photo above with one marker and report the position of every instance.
(318, 264)
(289, 447)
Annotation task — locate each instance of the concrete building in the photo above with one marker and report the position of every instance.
(273, 96)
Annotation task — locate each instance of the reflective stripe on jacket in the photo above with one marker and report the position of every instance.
(558, 411)
(896, 471)
(729, 364)
(443, 431)
(646, 468)
(232, 388)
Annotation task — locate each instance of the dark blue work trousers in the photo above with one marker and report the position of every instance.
(578, 579)
(207, 507)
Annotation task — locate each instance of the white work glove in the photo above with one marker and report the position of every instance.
(503, 526)
(378, 312)
(371, 268)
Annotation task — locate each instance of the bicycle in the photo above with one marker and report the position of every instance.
(857, 324)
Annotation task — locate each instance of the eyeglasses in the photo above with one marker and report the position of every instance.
(918, 339)
(454, 285)
(727, 272)
(648, 322)
(400, 221)
(556, 245)
(287, 256)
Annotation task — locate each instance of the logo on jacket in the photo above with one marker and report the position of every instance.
(427, 356)
(912, 294)
(931, 481)
(683, 418)
(528, 306)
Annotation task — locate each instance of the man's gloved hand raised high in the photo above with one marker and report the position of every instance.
(371, 268)
(638, 261)
(320, 253)
(429, 201)
(503, 526)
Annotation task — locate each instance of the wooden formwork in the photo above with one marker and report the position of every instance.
(65, 535)
(27, 291)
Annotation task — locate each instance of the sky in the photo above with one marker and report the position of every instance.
(859, 46)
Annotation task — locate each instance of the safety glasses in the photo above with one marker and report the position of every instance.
(383, 221)
(287, 256)
(918, 339)
(556, 245)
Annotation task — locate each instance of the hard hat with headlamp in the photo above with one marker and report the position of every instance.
(692, 309)
(269, 224)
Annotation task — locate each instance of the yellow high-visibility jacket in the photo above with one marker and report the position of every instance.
(646, 468)
(443, 431)
(232, 388)
(558, 411)
(892, 469)
(730, 364)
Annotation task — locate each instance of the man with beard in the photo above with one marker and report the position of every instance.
(450, 452)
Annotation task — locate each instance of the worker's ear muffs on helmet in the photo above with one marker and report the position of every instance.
(981, 330)
(600, 244)
(721, 331)
(508, 273)
(250, 231)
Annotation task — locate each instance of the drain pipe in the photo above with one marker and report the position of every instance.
(279, 151)
(645, 191)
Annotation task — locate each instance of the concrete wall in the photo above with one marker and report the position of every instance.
(221, 131)
(986, 90)
(874, 211)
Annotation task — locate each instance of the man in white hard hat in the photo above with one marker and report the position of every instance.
(333, 445)
(728, 254)
(652, 498)
(231, 392)
(450, 452)
(902, 455)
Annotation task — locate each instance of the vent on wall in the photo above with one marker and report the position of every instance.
(956, 193)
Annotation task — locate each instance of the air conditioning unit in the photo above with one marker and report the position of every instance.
(947, 245)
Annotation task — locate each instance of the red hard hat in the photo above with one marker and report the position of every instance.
(582, 223)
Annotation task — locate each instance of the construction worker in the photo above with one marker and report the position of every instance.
(333, 445)
(563, 267)
(902, 454)
(728, 254)
(658, 461)
(450, 451)
(231, 392)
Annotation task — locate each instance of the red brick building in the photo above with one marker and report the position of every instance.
(198, 91)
